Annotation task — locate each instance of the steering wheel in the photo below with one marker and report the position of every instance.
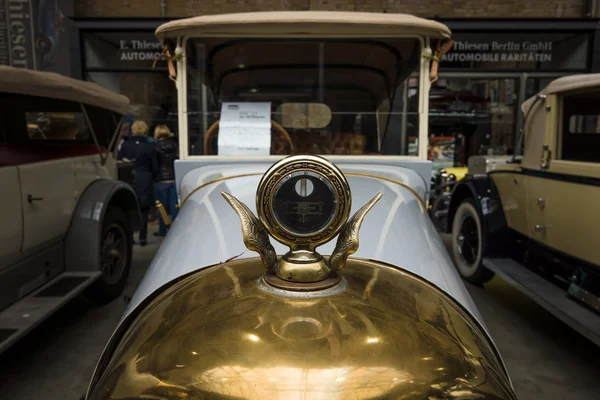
(213, 130)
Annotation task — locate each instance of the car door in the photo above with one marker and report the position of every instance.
(48, 200)
(511, 185)
(564, 208)
(56, 136)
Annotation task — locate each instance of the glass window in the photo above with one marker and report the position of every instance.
(123, 62)
(152, 95)
(400, 133)
(519, 51)
(56, 126)
(42, 120)
(583, 124)
(39, 129)
(471, 116)
(364, 83)
(580, 138)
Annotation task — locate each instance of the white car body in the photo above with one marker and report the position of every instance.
(164, 338)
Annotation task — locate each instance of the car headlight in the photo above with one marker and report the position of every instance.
(442, 174)
(447, 178)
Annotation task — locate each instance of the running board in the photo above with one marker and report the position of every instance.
(547, 295)
(21, 317)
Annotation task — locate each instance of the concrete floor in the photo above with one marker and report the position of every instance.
(545, 358)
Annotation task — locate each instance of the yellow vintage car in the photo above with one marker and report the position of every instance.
(531, 218)
(442, 182)
(454, 173)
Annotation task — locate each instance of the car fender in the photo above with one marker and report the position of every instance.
(483, 191)
(82, 242)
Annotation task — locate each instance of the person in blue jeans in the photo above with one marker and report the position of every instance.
(164, 185)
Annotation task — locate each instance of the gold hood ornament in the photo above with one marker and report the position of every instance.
(302, 202)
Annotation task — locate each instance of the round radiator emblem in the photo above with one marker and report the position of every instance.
(303, 201)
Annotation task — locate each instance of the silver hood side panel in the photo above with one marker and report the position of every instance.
(397, 231)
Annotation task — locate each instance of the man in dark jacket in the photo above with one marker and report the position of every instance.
(143, 155)
(164, 185)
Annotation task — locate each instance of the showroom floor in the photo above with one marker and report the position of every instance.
(546, 359)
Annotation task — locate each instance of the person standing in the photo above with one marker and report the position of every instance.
(143, 155)
(166, 192)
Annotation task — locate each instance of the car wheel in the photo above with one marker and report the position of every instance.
(42, 44)
(115, 257)
(467, 244)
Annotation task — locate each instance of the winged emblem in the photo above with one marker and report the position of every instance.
(255, 235)
(347, 242)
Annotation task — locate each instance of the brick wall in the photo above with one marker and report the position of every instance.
(117, 8)
(424, 8)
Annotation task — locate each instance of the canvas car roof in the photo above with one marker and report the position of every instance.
(305, 23)
(56, 86)
(565, 84)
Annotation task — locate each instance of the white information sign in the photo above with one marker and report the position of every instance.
(245, 129)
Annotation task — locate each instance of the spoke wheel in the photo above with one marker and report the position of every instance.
(115, 251)
(113, 258)
(467, 244)
(468, 240)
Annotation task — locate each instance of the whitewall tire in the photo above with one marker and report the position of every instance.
(467, 244)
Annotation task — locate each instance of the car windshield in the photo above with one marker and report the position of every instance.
(322, 96)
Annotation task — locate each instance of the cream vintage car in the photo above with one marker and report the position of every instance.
(531, 218)
(66, 221)
(249, 295)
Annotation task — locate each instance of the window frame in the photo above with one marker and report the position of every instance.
(83, 128)
(17, 135)
(554, 135)
(17, 119)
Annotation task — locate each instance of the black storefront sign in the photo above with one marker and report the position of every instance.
(509, 51)
(122, 50)
(519, 51)
(533, 50)
(139, 50)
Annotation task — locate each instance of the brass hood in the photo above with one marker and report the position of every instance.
(220, 333)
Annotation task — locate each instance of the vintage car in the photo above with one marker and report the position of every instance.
(66, 222)
(443, 181)
(454, 117)
(272, 307)
(530, 218)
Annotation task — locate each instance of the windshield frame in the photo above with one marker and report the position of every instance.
(424, 84)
